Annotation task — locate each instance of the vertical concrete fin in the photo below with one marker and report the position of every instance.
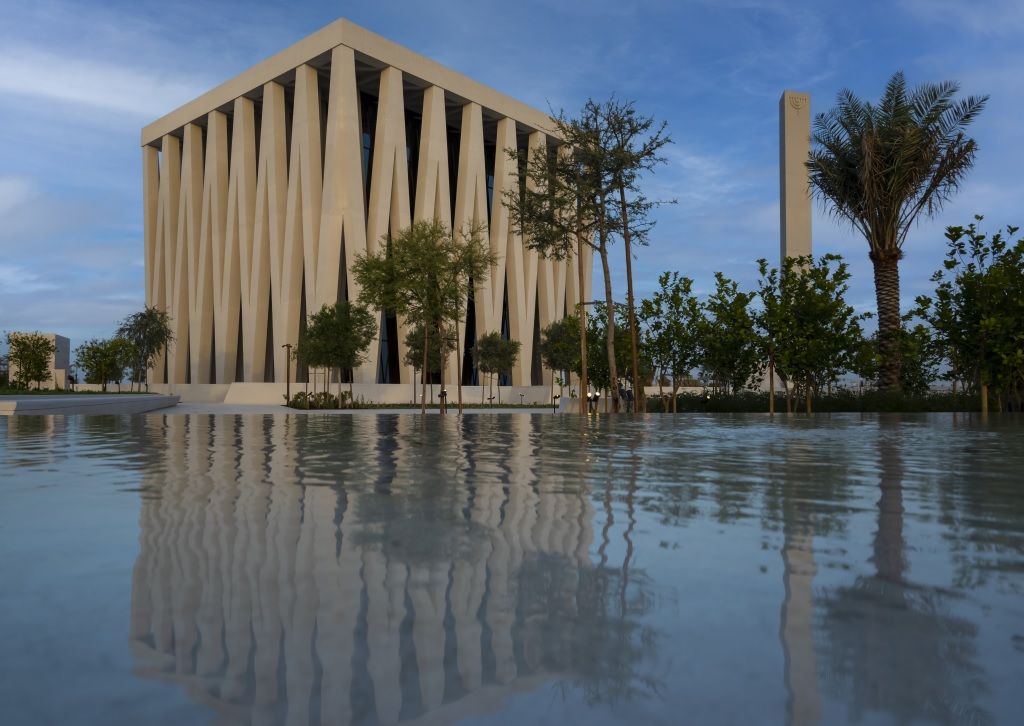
(246, 265)
(305, 197)
(212, 223)
(389, 181)
(187, 247)
(271, 214)
(471, 204)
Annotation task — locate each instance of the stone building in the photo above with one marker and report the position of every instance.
(260, 194)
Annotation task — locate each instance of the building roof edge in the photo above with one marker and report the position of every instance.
(344, 32)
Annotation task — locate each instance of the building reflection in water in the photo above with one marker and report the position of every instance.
(368, 569)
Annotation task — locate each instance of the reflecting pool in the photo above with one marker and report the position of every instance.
(507, 569)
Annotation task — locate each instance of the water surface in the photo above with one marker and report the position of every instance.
(511, 569)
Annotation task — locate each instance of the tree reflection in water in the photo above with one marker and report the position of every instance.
(892, 645)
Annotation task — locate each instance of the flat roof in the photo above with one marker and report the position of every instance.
(315, 50)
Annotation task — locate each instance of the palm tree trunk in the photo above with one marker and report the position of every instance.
(887, 295)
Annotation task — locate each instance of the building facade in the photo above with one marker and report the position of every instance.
(259, 195)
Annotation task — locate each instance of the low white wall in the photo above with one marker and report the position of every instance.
(274, 393)
(193, 392)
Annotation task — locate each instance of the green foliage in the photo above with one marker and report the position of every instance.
(149, 333)
(806, 329)
(673, 320)
(321, 400)
(729, 351)
(493, 354)
(977, 314)
(598, 371)
(586, 192)
(841, 400)
(425, 273)
(436, 348)
(337, 336)
(881, 166)
(560, 345)
(30, 354)
(104, 361)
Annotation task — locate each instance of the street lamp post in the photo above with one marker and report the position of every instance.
(288, 374)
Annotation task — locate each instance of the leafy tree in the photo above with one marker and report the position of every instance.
(437, 349)
(563, 204)
(493, 354)
(635, 148)
(673, 318)
(806, 329)
(880, 167)
(729, 355)
(560, 346)
(30, 354)
(338, 336)
(103, 361)
(919, 358)
(588, 193)
(149, 333)
(977, 315)
(600, 373)
(425, 273)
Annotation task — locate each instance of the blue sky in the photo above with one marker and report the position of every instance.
(78, 81)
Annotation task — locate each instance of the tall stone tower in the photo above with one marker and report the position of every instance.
(794, 184)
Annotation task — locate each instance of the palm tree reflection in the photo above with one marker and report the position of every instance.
(892, 645)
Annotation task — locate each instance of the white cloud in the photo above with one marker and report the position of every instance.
(980, 17)
(16, 280)
(14, 192)
(70, 80)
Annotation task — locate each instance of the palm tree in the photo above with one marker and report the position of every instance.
(879, 167)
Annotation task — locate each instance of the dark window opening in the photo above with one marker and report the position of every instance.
(536, 365)
(505, 379)
(268, 355)
(470, 374)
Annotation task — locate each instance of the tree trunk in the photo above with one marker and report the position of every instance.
(613, 373)
(442, 406)
(887, 295)
(458, 362)
(423, 371)
(583, 322)
(771, 385)
(638, 390)
(808, 393)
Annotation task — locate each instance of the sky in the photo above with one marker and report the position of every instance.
(79, 79)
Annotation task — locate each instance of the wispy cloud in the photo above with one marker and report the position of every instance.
(986, 18)
(74, 81)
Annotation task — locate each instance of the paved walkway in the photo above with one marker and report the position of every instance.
(126, 403)
(258, 409)
(89, 403)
